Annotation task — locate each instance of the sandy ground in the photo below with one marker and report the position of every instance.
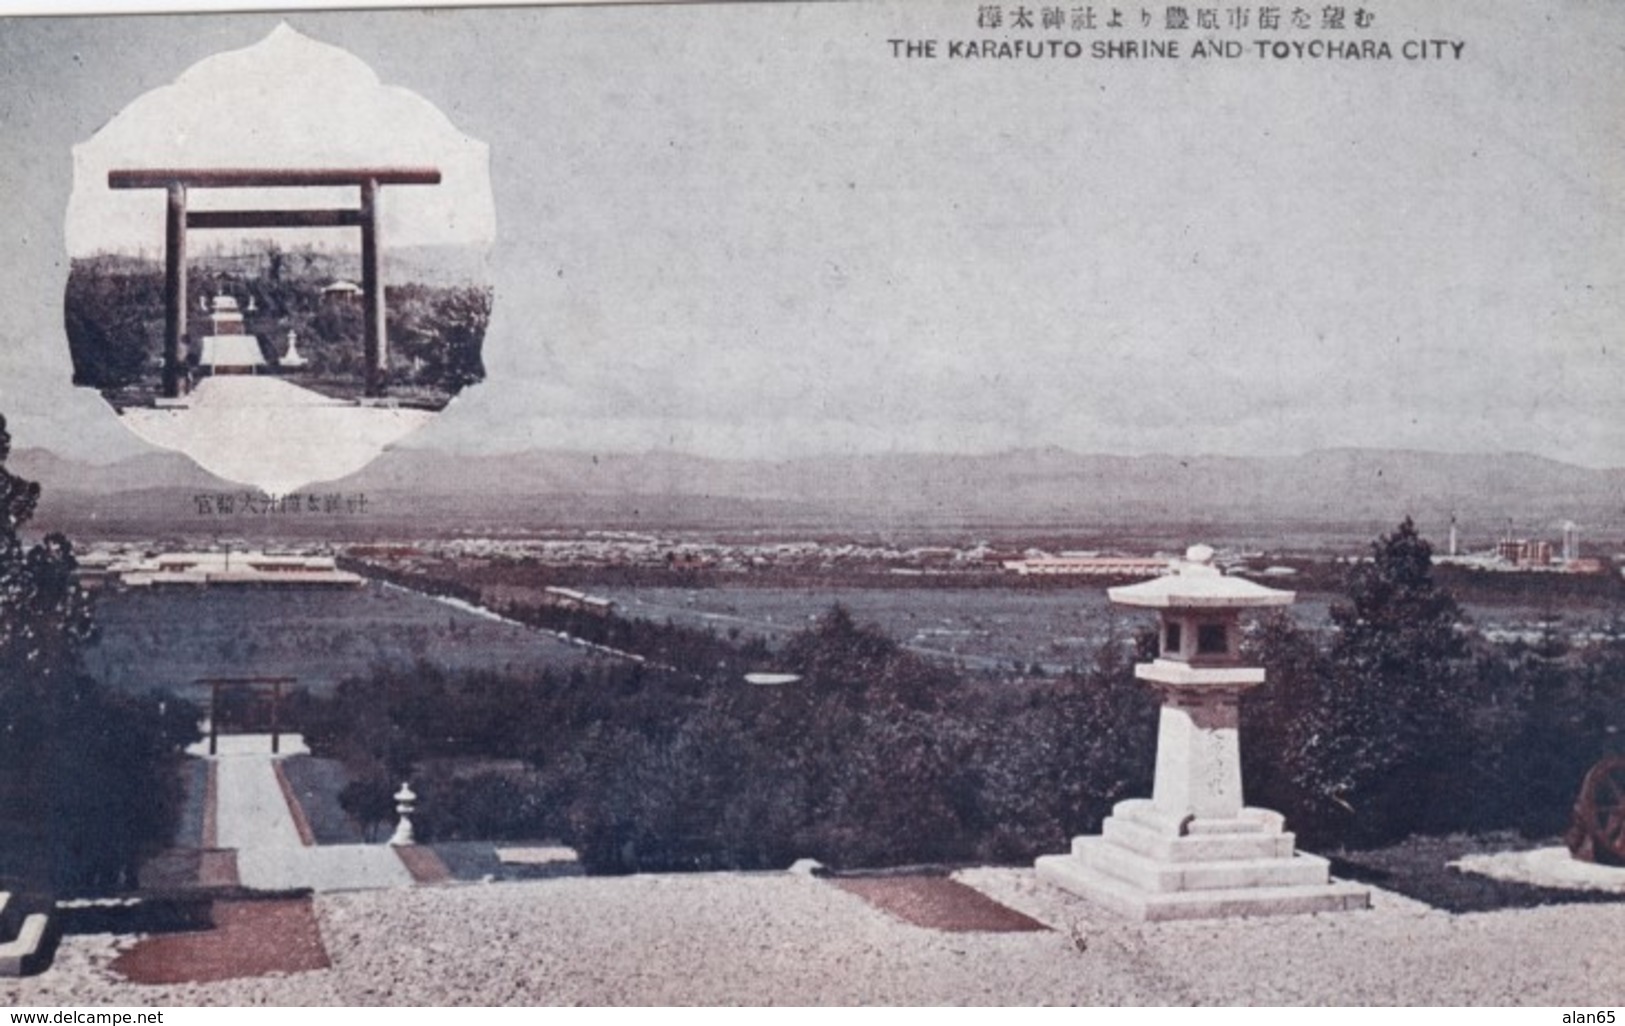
(790, 939)
(271, 434)
(1546, 867)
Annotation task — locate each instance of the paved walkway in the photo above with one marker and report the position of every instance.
(252, 816)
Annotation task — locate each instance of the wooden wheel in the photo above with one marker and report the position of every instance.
(1598, 831)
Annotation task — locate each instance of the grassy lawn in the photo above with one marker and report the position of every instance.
(316, 784)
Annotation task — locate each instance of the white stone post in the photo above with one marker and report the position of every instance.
(404, 799)
(1199, 755)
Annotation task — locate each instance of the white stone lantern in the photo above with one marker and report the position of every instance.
(293, 358)
(404, 805)
(1194, 849)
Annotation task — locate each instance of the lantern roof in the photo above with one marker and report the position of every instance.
(1197, 584)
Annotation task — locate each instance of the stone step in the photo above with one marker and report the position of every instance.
(1072, 874)
(1143, 812)
(30, 950)
(1160, 877)
(1250, 820)
(1137, 837)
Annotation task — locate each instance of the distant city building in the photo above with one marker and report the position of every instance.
(94, 569)
(1088, 566)
(1524, 554)
(1529, 555)
(569, 598)
(1269, 571)
(227, 568)
(342, 291)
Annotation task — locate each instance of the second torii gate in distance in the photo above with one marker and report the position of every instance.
(365, 216)
(214, 684)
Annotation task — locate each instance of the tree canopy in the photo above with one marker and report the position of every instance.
(1369, 740)
(87, 781)
(113, 311)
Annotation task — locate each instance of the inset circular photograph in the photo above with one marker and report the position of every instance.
(278, 263)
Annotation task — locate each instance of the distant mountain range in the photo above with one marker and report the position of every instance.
(432, 491)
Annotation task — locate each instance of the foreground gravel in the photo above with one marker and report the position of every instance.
(791, 939)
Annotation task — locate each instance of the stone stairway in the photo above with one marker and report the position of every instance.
(1149, 866)
(27, 939)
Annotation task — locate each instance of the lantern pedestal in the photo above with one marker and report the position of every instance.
(1194, 850)
(1144, 868)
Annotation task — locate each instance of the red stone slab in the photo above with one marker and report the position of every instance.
(211, 812)
(425, 866)
(183, 869)
(301, 822)
(218, 868)
(938, 903)
(250, 938)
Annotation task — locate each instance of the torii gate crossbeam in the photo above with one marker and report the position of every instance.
(177, 181)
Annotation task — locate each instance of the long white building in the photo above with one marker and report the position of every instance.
(233, 568)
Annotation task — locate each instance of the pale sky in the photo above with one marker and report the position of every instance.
(747, 229)
(286, 101)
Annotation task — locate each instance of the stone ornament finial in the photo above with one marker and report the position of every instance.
(404, 805)
(1199, 562)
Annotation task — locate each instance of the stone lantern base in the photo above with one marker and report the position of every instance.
(1194, 850)
(1151, 866)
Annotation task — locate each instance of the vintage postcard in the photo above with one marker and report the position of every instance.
(903, 503)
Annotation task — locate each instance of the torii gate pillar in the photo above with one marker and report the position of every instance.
(377, 347)
(175, 289)
(364, 216)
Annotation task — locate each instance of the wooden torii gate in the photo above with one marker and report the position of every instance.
(275, 684)
(365, 216)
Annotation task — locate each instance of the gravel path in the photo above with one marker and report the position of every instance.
(251, 811)
(791, 939)
(254, 818)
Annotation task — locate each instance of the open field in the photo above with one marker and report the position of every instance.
(167, 639)
(170, 638)
(985, 628)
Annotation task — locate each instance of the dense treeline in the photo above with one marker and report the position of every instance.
(1411, 722)
(1402, 720)
(875, 756)
(89, 779)
(114, 314)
